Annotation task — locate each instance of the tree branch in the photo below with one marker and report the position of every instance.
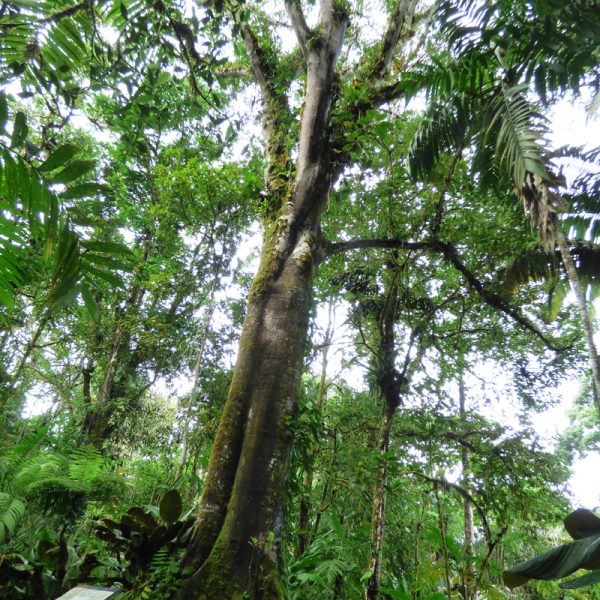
(402, 14)
(457, 488)
(448, 251)
(259, 63)
(66, 12)
(301, 29)
(331, 248)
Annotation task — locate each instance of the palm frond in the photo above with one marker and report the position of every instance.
(445, 126)
(535, 265)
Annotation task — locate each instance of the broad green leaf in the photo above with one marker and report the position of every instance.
(59, 158)
(366, 576)
(170, 506)
(106, 261)
(556, 563)
(107, 247)
(583, 581)
(107, 276)
(90, 302)
(582, 523)
(396, 594)
(20, 130)
(163, 78)
(84, 190)
(75, 170)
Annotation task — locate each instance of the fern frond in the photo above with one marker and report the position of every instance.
(12, 510)
(19, 454)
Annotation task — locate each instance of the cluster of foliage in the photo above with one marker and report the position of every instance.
(132, 188)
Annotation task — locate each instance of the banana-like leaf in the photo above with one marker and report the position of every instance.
(583, 553)
(556, 563)
(582, 523)
(583, 581)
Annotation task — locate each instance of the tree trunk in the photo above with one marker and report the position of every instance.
(235, 548)
(390, 382)
(241, 511)
(583, 312)
(379, 498)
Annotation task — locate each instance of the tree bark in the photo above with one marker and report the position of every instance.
(234, 550)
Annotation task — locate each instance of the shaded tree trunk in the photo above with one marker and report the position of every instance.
(390, 382)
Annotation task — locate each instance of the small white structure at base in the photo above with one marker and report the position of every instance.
(89, 592)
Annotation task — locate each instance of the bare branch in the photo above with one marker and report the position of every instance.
(301, 29)
(403, 14)
(331, 248)
(66, 12)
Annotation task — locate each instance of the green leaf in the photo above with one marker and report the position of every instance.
(170, 506)
(366, 576)
(3, 111)
(163, 78)
(556, 563)
(107, 276)
(107, 248)
(20, 130)
(582, 523)
(84, 190)
(60, 157)
(90, 302)
(75, 170)
(583, 581)
(106, 261)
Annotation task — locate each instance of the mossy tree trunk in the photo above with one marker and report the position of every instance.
(234, 550)
(235, 547)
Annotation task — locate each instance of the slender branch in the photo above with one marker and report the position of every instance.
(301, 29)
(331, 248)
(492, 298)
(465, 494)
(67, 12)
